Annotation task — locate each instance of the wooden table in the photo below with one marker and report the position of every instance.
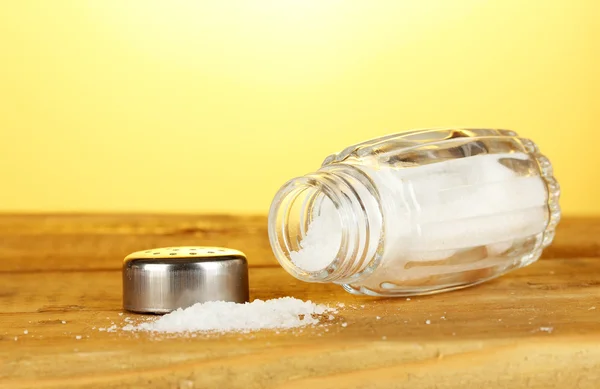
(538, 327)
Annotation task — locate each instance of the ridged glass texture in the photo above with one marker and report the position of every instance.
(423, 211)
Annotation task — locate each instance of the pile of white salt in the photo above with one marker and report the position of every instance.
(220, 316)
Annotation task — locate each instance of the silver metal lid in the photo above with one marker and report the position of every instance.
(162, 280)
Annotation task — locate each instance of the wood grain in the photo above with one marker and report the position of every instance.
(490, 330)
(537, 327)
(77, 242)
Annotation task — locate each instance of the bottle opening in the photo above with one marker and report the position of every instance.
(306, 226)
(325, 226)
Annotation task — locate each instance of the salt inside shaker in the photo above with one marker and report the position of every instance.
(418, 212)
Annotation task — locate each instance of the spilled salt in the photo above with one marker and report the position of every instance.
(220, 316)
(112, 328)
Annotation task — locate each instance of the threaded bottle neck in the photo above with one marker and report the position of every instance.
(327, 226)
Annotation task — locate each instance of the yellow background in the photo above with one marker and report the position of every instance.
(188, 106)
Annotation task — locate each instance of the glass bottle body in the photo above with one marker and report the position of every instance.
(418, 212)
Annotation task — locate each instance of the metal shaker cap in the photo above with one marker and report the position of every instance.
(162, 280)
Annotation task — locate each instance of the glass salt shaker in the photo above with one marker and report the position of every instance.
(418, 212)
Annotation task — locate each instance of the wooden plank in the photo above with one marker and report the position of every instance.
(576, 238)
(534, 328)
(76, 242)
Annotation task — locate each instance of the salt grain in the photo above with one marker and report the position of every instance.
(377, 317)
(591, 308)
(25, 332)
(344, 324)
(186, 384)
(64, 322)
(78, 337)
(547, 329)
(408, 299)
(286, 312)
(427, 321)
